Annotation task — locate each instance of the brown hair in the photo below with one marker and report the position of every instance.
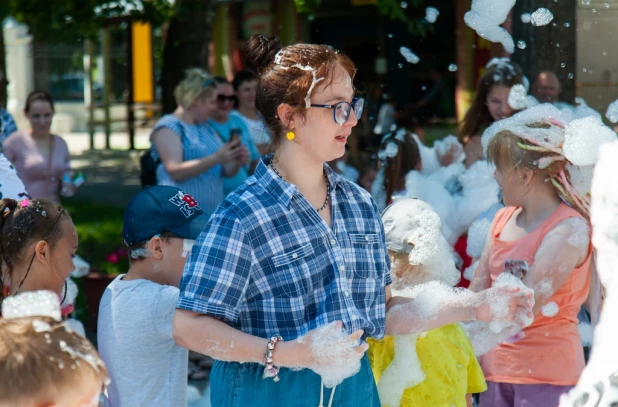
(282, 81)
(477, 118)
(41, 358)
(22, 223)
(509, 152)
(396, 168)
(38, 96)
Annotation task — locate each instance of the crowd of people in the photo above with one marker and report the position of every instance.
(426, 278)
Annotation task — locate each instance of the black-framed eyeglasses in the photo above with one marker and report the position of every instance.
(341, 110)
(223, 98)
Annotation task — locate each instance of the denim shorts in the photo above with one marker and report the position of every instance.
(241, 385)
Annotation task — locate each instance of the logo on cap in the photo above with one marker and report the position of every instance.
(185, 203)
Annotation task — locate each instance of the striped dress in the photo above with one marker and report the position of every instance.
(198, 141)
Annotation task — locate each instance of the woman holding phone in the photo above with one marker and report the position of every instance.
(231, 128)
(192, 157)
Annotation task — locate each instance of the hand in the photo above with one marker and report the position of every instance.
(326, 347)
(448, 157)
(517, 304)
(228, 152)
(243, 156)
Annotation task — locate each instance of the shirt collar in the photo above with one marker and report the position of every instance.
(284, 191)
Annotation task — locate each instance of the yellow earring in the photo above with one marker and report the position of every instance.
(290, 135)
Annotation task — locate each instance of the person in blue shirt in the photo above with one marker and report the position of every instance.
(292, 272)
(222, 122)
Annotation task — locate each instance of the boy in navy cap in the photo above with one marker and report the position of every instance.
(135, 340)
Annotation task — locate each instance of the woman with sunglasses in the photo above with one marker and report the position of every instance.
(38, 241)
(232, 128)
(192, 157)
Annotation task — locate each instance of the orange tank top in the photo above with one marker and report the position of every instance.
(551, 352)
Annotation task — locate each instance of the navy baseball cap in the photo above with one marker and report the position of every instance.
(159, 209)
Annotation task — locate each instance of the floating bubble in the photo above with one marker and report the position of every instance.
(563, 65)
(400, 65)
(404, 4)
(452, 68)
(410, 56)
(390, 35)
(541, 17)
(431, 14)
(567, 25)
(571, 76)
(525, 18)
(586, 2)
(521, 44)
(612, 112)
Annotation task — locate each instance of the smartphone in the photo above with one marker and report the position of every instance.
(235, 136)
(518, 268)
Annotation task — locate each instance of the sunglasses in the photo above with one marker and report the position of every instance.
(222, 99)
(342, 110)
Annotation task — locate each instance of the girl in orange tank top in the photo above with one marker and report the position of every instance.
(543, 236)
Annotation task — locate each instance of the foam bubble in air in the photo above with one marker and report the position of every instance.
(517, 97)
(486, 16)
(410, 56)
(525, 18)
(541, 16)
(431, 14)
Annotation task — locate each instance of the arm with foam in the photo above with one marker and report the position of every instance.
(563, 249)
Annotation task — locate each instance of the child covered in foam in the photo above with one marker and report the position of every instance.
(437, 367)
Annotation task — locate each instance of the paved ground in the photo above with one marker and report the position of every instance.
(112, 176)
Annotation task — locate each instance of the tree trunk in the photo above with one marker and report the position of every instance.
(552, 47)
(185, 44)
(465, 58)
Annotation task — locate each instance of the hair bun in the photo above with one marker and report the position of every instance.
(260, 52)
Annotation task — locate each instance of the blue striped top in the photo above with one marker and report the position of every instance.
(198, 140)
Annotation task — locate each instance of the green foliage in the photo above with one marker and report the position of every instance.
(62, 19)
(308, 7)
(99, 228)
(394, 10)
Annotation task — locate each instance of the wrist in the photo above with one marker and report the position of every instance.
(286, 354)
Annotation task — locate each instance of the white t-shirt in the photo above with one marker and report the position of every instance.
(259, 131)
(145, 365)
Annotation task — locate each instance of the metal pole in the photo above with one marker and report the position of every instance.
(89, 97)
(107, 87)
(129, 86)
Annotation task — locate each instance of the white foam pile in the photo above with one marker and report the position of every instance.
(402, 373)
(550, 310)
(479, 231)
(541, 16)
(612, 112)
(594, 383)
(499, 304)
(485, 17)
(518, 97)
(586, 333)
(409, 56)
(431, 14)
(32, 303)
(335, 356)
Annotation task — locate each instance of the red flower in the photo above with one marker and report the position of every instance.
(112, 258)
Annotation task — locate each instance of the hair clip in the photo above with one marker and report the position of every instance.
(24, 203)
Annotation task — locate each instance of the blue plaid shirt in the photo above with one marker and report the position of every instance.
(268, 264)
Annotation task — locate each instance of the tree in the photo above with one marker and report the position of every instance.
(185, 44)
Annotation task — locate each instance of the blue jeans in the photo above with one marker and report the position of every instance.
(234, 385)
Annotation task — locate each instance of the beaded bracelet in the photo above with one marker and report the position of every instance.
(271, 370)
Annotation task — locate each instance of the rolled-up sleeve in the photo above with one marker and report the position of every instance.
(216, 275)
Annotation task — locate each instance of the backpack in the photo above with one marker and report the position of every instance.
(148, 168)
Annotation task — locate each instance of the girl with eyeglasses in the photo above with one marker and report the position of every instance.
(192, 157)
(231, 128)
(292, 272)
